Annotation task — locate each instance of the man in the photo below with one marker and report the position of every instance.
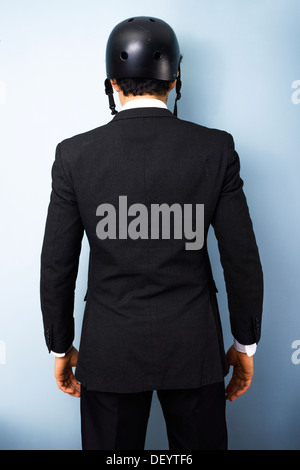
(145, 188)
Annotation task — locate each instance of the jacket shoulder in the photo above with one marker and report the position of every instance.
(218, 135)
(75, 145)
(79, 141)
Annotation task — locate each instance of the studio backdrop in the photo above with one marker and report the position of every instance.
(240, 73)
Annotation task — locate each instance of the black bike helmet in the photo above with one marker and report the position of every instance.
(142, 47)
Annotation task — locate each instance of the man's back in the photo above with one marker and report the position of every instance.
(151, 318)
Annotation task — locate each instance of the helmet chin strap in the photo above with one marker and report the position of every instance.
(110, 92)
(178, 94)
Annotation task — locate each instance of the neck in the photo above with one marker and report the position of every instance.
(126, 99)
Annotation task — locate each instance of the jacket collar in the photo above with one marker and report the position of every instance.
(143, 112)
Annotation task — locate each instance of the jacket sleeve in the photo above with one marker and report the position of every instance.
(239, 254)
(59, 260)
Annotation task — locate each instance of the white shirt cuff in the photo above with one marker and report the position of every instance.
(61, 354)
(249, 349)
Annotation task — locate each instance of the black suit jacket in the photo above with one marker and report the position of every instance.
(151, 319)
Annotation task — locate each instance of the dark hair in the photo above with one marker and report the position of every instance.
(143, 86)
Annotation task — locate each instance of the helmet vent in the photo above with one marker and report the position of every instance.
(124, 55)
(157, 55)
(151, 19)
(131, 19)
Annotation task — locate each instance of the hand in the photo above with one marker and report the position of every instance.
(242, 373)
(63, 373)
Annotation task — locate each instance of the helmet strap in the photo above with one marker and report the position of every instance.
(109, 91)
(178, 94)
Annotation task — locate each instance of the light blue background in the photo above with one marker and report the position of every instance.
(240, 61)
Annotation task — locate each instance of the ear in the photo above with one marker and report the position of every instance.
(172, 84)
(114, 84)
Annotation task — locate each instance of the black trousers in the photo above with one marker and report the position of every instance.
(195, 419)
